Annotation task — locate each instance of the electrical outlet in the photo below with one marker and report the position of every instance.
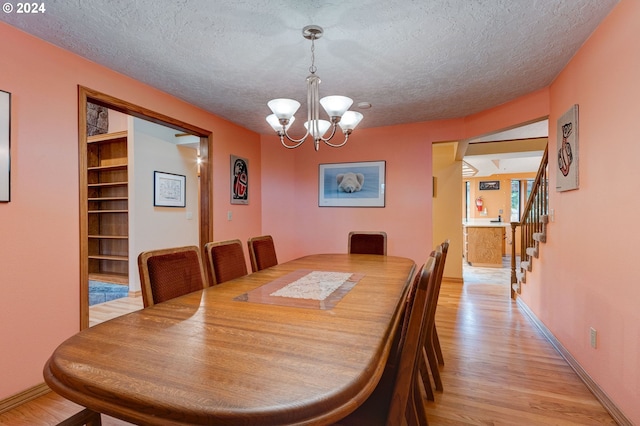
(594, 337)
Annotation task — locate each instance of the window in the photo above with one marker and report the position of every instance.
(467, 199)
(518, 202)
(515, 200)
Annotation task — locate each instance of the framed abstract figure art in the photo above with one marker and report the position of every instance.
(239, 180)
(567, 152)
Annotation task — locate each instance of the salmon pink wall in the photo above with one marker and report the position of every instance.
(290, 191)
(587, 276)
(584, 277)
(525, 109)
(39, 254)
(290, 209)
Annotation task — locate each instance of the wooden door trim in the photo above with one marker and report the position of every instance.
(205, 232)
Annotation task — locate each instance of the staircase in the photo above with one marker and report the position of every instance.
(533, 227)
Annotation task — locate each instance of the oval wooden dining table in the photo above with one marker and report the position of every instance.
(265, 349)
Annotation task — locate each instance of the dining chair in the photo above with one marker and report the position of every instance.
(169, 273)
(393, 401)
(367, 242)
(262, 252)
(436, 340)
(428, 361)
(85, 417)
(427, 330)
(401, 333)
(224, 261)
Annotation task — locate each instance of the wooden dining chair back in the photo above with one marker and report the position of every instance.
(262, 252)
(224, 261)
(429, 360)
(169, 273)
(401, 333)
(393, 401)
(436, 341)
(367, 242)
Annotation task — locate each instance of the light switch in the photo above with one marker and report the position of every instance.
(189, 215)
(229, 215)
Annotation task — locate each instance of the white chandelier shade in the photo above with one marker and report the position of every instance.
(274, 122)
(284, 108)
(318, 128)
(349, 120)
(336, 107)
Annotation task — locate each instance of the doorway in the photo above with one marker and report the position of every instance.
(499, 167)
(205, 233)
(454, 198)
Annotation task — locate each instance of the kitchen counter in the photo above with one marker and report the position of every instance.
(484, 242)
(485, 223)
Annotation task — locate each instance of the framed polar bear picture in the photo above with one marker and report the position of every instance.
(352, 184)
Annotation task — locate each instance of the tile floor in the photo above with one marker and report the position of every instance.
(477, 275)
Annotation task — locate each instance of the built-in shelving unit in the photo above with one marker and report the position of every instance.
(108, 207)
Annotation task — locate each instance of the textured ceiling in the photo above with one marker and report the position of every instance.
(412, 60)
(489, 160)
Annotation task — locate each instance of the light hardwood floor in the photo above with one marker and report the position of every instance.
(114, 308)
(499, 369)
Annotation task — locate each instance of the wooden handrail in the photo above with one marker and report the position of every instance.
(531, 219)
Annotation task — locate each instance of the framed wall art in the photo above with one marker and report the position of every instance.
(5, 146)
(489, 185)
(239, 180)
(169, 190)
(352, 184)
(567, 158)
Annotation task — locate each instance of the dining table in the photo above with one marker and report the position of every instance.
(304, 342)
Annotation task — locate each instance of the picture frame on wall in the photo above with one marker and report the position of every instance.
(358, 184)
(239, 180)
(5, 146)
(489, 185)
(567, 158)
(169, 189)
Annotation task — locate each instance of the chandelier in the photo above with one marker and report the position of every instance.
(336, 107)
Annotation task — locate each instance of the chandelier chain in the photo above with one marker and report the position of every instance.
(312, 68)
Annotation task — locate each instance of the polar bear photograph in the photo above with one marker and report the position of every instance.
(358, 184)
(350, 182)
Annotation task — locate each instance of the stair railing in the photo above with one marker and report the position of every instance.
(530, 220)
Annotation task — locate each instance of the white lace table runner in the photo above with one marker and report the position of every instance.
(316, 285)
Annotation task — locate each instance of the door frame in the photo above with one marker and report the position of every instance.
(206, 200)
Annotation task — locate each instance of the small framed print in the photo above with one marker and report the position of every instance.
(169, 190)
(5, 146)
(489, 185)
(239, 180)
(352, 184)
